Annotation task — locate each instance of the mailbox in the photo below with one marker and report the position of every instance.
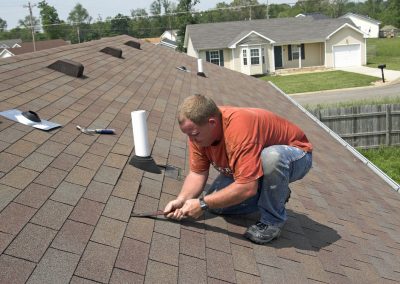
(381, 66)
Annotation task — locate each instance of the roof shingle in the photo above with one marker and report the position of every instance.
(65, 197)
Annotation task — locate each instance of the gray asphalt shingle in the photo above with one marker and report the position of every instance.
(65, 196)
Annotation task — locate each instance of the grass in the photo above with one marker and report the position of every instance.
(319, 81)
(386, 158)
(384, 50)
(395, 100)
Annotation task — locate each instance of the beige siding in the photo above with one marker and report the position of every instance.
(314, 56)
(190, 50)
(345, 36)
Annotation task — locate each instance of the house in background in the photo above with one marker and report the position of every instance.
(10, 43)
(25, 47)
(315, 16)
(170, 34)
(167, 39)
(366, 24)
(389, 31)
(263, 46)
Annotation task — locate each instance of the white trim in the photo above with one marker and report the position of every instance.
(345, 25)
(6, 51)
(16, 45)
(367, 162)
(252, 32)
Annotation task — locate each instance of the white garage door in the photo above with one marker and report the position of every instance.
(347, 55)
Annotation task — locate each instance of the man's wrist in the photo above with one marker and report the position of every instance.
(203, 204)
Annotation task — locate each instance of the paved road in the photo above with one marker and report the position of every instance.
(383, 90)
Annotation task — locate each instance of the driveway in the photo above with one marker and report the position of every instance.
(389, 89)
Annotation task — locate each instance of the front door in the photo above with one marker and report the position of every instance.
(278, 56)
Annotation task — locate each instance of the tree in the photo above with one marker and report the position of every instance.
(140, 23)
(155, 8)
(26, 23)
(120, 25)
(79, 15)
(3, 25)
(186, 18)
(50, 21)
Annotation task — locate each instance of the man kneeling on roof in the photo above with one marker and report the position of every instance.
(257, 154)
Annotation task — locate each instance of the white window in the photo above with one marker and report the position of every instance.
(214, 57)
(255, 56)
(244, 56)
(295, 52)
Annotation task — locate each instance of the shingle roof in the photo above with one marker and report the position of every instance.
(280, 30)
(9, 43)
(366, 18)
(40, 45)
(66, 197)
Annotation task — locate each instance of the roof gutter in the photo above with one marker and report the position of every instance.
(367, 162)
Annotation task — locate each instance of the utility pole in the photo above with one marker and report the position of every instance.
(30, 20)
(267, 10)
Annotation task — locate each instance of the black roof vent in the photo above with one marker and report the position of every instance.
(68, 67)
(132, 43)
(113, 51)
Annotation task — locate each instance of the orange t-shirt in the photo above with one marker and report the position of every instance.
(246, 132)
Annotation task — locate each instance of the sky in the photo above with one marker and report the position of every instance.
(12, 10)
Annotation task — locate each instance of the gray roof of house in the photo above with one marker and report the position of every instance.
(280, 30)
(364, 17)
(10, 42)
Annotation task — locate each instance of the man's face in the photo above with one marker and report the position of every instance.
(202, 135)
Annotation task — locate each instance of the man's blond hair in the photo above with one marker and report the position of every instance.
(198, 108)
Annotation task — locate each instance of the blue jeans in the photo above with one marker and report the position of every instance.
(281, 165)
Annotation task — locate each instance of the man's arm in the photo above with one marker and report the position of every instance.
(192, 187)
(231, 195)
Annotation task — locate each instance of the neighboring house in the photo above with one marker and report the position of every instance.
(315, 16)
(26, 47)
(389, 31)
(10, 43)
(4, 53)
(169, 39)
(366, 24)
(170, 34)
(262, 46)
(168, 43)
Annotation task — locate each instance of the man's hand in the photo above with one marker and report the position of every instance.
(192, 208)
(179, 209)
(173, 209)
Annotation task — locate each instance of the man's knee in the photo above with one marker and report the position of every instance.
(270, 159)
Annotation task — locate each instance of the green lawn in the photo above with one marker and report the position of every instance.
(384, 50)
(387, 159)
(320, 81)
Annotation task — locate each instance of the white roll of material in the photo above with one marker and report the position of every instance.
(140, 135)
(200, 65)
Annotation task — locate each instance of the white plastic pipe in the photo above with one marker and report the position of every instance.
(140, 135)
(200, 65)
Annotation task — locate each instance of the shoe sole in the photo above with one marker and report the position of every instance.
(258, 241)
